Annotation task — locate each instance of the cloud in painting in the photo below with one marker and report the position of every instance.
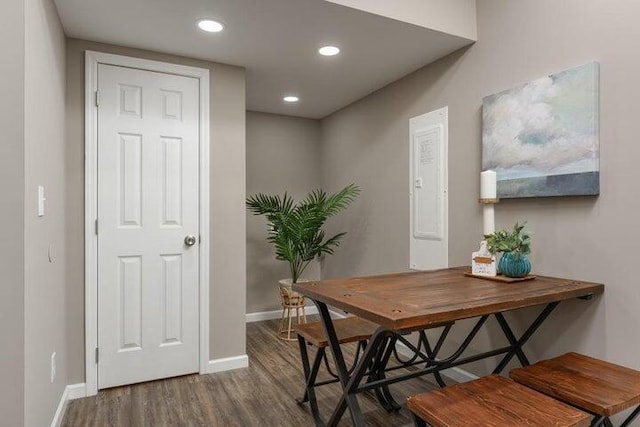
(546, 127)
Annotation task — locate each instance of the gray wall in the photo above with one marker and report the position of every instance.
(227, 189)
(12, 212)
(584, 238)
(45, 282)
(366, 143)
(282, 155)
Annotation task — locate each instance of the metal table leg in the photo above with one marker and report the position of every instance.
(377, 353)
(516, 346)
(310, 375)
(433, 354)
(374, 374)
(511, 338)
(379, 369)
(351, 382)
(631, 417)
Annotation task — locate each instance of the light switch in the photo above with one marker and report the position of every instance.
(41, 200)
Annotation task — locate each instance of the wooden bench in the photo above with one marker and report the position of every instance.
(598, 387)
(350, 329)
(492, 401)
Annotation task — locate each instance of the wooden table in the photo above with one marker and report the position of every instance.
(418, 300)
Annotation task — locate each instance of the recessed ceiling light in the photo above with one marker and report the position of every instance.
(291, 98)
(210, 26)
(329, 50)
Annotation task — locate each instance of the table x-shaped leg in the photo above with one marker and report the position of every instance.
(516, 344)
(351, 382)
(310, 374)
(631, 417)
(378, 346)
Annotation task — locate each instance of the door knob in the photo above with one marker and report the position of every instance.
(190, 240)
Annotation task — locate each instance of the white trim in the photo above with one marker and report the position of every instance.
(226, 364)
(92, 59)
(261, 316)
(62, 407)
(70, 392)
(76, 391)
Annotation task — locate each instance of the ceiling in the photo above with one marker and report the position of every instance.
(277, 42)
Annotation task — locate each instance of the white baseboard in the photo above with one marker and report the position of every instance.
(62, 407)
(71, 392)
(275, 314)
(456, 374)
(227, 364)
(76, 391)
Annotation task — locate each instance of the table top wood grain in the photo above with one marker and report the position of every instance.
(414, 299)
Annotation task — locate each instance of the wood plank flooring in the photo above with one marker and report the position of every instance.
(262, 395)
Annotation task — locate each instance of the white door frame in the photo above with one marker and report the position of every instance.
(92, 59)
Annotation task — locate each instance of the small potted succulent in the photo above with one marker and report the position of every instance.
(514, 245)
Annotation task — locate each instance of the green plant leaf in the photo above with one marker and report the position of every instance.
(295, 230)
(517, 240)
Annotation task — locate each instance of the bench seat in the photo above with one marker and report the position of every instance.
(594, 385)
(349, 329)
(492, 401)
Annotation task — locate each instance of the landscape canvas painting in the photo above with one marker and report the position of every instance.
(542, 138)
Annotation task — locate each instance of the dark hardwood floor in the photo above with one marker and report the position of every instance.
(262, 395)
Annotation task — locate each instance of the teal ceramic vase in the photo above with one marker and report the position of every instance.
(514, 265)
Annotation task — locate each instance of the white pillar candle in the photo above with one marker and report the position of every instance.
(488, 185)
(488, 219)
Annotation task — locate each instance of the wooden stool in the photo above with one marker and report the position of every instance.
(598, 387)
(290, 300)
(348, 330)
(492, 401)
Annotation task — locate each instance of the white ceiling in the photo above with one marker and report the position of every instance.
(277, 42)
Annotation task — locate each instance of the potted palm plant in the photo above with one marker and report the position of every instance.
(296, 231)
(515, 246)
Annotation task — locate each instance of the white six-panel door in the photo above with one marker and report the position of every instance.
(148, 136)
